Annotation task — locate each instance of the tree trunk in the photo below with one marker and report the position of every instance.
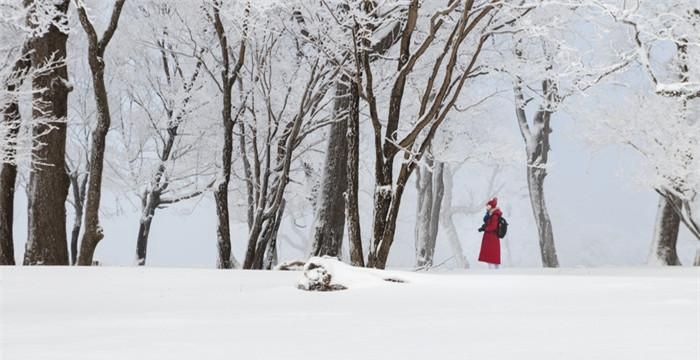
(424, 187)
(535, 185)
(96, 50)
(271, 252)
(8, 169)
(93, 231)
(537, 151)
(150, 203)
(663, 248)
(448, 222)
(353, 162)
(431, 190)
(229, 77)
(8, 176)
(438, 195)
(79, 188)
(48, 181)
(330, 204)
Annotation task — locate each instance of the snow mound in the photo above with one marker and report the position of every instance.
(329, 274)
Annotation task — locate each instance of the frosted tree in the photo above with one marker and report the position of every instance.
(20, 22)
(286, 101)
(552, 63)
(164, 128)
(48, 182)
(442, 36)
(337, 40)
(230, 63)
(671, 93)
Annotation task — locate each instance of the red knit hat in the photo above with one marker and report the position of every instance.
(493, 202)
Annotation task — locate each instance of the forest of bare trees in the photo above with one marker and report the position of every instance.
(330, 110)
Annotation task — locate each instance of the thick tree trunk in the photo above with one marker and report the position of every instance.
(353, 163)
(48, 181)
(8, 176)
(382, 202)
(271, 251)
(330, 204)
(8, 169)
(663, 247)
(535, 185)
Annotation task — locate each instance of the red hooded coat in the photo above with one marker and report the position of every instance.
(490, 243)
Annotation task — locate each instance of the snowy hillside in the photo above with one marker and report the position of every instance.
(152, 313)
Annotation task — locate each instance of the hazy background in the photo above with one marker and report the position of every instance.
(600, 214)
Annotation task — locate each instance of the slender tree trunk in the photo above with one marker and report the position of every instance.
(48, 181)
(535, 184)
(150, 203)
(93, 231)
(330, 204)
(435, 211)
(448, 223)
(537, 151)
(431, 190)
(353, 162)
(663, 248)
(424, 187)
(79, 188)
(96, 50)
(8, 169)
(229, 77)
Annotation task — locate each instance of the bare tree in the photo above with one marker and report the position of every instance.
(280, 117)
(337, 196)
(230, 69)
(441, 90)
(96, 53)
(159, 192)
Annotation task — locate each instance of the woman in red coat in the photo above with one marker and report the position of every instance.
(491, 244)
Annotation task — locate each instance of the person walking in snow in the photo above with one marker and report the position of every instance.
(490, 243)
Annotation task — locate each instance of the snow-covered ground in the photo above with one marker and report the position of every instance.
(154, 313)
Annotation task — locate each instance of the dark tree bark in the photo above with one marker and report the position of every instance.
(8, 169)
(228, 79)
(440, 94)
(351, 201)
(96, 52)
(666, 229)
(330, 204)
(48, 181)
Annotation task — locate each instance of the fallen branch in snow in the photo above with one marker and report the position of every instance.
(296, 265)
